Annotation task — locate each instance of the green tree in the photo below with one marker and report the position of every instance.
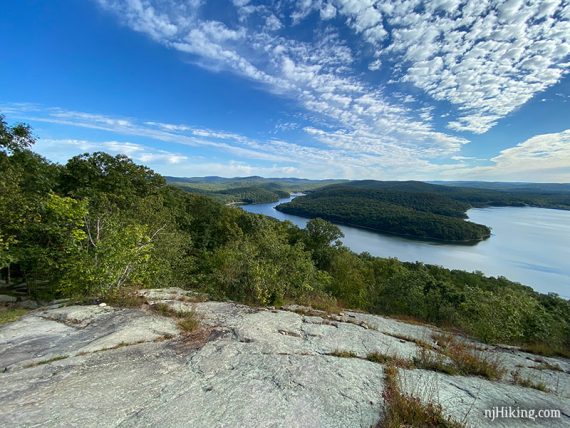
(321, 233)
(15, 138)
(107, 180)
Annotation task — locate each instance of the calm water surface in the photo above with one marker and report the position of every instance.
(528, 245)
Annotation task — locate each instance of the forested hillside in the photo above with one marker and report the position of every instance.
(413, 209)
(403, 210)
(247, 190)
(101, 226)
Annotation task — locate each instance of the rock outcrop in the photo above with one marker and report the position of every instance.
(102, 366)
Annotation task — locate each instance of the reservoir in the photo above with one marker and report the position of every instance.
(527, 245)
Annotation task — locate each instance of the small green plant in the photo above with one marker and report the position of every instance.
(408, 411)
(11, 314)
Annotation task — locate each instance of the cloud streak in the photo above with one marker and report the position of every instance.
(319, 73)
(351, 155)
(541, 158)
(484, 57)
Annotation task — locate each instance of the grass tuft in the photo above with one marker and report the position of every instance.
(11, 314)
(377, 357)
(124, 298)
(528, 383)
(187, 320)
(343, 354)
(468, 359)
(429, 360)
(322, 302)
(546, 349)
(408, 411)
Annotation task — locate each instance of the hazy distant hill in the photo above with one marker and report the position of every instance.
(248, 190)
(510, 186)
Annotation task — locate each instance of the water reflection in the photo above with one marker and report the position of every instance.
(528, 245)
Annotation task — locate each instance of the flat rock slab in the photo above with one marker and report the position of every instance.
(91, 366)
(60, 333)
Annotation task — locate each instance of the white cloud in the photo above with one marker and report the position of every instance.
(319, 73)
(164, 162)
(542, 158)
(346, 154)
(350, 154)
(327, 11)
(486, 57)
(60, 150)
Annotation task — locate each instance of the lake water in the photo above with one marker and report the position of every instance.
(528, 245)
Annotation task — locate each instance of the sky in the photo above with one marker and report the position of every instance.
(357, 89)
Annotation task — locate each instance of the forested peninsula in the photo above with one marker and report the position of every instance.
(101, 227)
(413, 209)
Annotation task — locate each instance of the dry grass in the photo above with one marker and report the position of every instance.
(194, 298)
(343, 354)
(528, 383)
(420, 342)
(50, 360)
(468, 359)
(408, 411)
(546, 349)
(545, 365)
(429, 360)
(187, 320)
(125, 298)
(164, 309)
(452, 356)
(321, 302)
(11, 314)
(377, 357)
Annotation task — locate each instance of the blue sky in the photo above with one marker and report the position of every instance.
(445, 89)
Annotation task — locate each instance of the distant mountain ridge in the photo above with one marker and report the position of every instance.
(509, 186)
(247, 190)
